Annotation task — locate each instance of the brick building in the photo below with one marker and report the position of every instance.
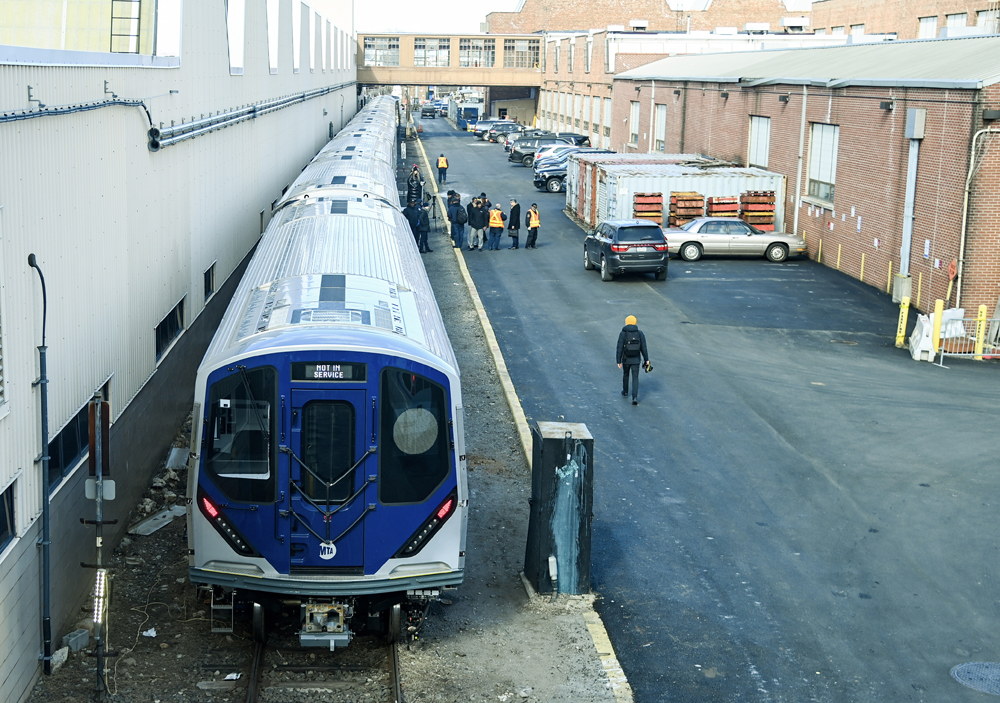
(649, 15)
(578, 69)
(907, 19)
(833, 121)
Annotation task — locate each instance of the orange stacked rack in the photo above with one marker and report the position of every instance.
(685, 206)
(724, 206)
(757, 209)
(648, 206)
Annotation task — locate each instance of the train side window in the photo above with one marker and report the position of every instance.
(414, 454)
(240, 452)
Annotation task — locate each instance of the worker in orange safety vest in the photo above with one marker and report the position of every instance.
(442, 169)
(496, 227)
(532, 222)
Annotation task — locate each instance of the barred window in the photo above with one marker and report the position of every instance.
(572, 54)
(555, 62)
(522, 53)
(588, 54)
(381, 51)
(477, 53)
(432, 52)
(586, 113)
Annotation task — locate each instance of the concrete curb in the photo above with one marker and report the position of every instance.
(602, 643)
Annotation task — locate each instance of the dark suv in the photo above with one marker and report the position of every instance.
(523, 151)
(428, 110)
(626, 246)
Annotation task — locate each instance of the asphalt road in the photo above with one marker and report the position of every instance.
(796, 510)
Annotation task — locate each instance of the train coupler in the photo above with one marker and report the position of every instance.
(325, 625)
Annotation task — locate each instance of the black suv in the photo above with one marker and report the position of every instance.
(626, 246)
(574, 138)
(523, 151)
(428, 110)
(501, 131)
(529, 134)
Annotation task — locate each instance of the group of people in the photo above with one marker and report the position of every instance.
(487, 223)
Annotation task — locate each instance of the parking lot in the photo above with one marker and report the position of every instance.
(795, 510)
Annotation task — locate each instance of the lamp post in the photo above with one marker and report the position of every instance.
(43, 381)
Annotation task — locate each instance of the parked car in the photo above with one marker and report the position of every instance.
(428, 110)
(503, 128)
(443, 110)
(524, 150)
(626, 246)
(575, 138)
(704, 236)
(527, 134)
(483, 128)
(550, 172)
(553, 152)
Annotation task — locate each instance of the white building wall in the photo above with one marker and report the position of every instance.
(122, 234)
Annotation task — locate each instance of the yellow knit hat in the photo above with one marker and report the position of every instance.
(630, 320)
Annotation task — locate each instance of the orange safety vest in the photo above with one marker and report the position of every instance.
(496, 220)
(533, 221)
(442, 162)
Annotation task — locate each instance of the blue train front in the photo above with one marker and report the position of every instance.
(329, 463)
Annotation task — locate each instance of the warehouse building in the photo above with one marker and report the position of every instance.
(141, 241)
(878, 143)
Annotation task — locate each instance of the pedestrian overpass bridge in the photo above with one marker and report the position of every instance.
(512, 60)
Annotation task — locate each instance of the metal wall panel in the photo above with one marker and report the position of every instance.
(123, 234)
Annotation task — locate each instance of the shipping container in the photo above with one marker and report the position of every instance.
(617, 185)
(581, 185)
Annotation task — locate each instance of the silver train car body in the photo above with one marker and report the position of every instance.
(328, 461)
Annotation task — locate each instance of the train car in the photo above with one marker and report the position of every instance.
(328, 467)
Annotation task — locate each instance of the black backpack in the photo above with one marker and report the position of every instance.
(461, 216)
(633, 343)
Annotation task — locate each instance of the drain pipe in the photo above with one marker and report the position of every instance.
(798, 167)
(43, 381)
(965, 212)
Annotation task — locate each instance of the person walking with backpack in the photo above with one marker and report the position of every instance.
(532, 222)
(442, 169)
(631, 354)
(514, 223)
(458, 217)
(496, 227)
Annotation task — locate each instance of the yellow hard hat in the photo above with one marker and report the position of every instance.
(630, 320)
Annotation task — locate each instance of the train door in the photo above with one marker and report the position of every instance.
(327, 480)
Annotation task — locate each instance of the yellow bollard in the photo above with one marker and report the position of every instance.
(904, 313)
(862, 267)
(980, 332)
(888, 282)
(839, 247)
(819, 254)
(936, 334)
(920, 285)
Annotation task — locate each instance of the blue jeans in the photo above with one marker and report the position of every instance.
(442, 175)
(458, 234)
(494, 241)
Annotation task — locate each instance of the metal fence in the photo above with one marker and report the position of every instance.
(972, 337)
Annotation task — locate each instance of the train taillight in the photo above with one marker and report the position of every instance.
(419, 538)
(222, 525)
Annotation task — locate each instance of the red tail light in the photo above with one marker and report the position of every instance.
(619, 248)
(209, 508)
(225, 528)
(660, 247)
(445, 509)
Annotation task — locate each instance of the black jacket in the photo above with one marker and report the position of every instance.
(412, 216)
(515, 217)
(477, 217)
(423, 223)
(620, 353)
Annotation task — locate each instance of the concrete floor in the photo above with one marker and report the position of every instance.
(796, 510)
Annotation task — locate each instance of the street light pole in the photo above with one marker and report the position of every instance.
(43, 381)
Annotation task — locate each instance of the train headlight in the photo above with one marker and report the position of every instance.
(213, 513)
(419, 538)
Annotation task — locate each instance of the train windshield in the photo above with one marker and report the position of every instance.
(239, 451)
(413, 450)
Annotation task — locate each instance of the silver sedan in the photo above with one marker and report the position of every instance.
(704, 236)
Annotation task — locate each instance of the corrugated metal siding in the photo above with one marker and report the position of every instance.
(623, 182)
(123, 234)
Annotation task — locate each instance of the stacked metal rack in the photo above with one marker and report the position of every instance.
(757, 209)
(685, 206)
(648, 206)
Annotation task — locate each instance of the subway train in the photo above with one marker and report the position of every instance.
(328, 470)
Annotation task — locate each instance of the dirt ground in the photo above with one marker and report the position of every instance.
(488, 641)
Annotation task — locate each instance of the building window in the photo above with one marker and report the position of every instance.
(586, 113)
(555, 63)
(572, 55)
(986, 20)
(928, 27)
(837, 31)
(8, 525)
(957, 20)
(522, 53)
(68, 447)
(588, 54)
(660, 140)
(432, 52)
(477, 53)
(823, 139)
(595, 119)
(3, 396)
(760, 141)
(857, 30)
(820, 32)
(381, 51)
(633, 123)
(577, 99)
(561, 117)
(169, 329)
(606, 122)
(209, 281)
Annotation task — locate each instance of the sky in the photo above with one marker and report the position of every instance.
(429, 16)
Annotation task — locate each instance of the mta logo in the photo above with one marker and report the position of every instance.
(327, 550)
